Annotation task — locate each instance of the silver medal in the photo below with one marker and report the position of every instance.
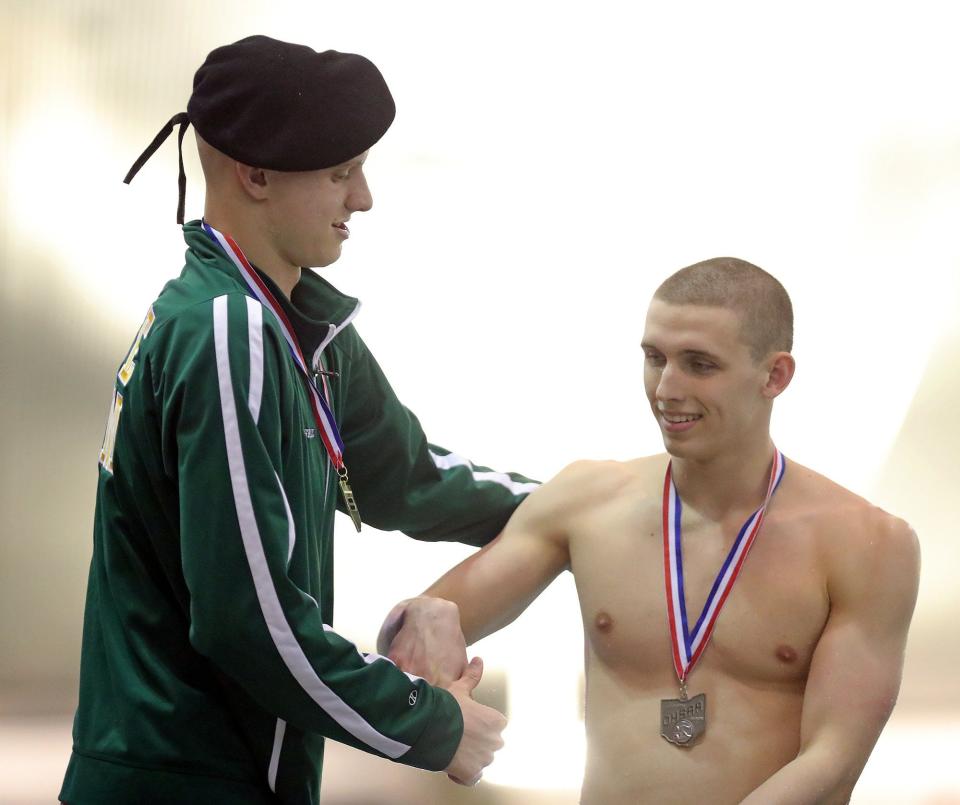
(682, 721)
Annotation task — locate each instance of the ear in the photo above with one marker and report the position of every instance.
(252, 180)
(780, 367)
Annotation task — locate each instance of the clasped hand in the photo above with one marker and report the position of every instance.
(423, 637)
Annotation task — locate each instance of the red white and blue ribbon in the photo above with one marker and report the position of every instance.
(688, 645)
(326, 425)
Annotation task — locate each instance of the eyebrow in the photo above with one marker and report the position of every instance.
(699, 353)
(694, 353)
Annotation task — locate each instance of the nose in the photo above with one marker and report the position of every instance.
(669, 384)
(359, 198)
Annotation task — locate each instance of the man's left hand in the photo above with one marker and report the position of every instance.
(422, 636)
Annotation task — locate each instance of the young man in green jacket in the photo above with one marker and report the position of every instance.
(210, 671)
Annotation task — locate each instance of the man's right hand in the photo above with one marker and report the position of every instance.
(481, 729)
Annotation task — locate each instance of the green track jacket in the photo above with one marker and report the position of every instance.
(209, 671)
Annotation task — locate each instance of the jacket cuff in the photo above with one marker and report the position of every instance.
(440, 739)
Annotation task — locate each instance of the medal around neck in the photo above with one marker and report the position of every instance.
(319, 403)
(684, 720)
(348, 500)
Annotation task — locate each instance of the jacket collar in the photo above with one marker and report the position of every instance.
(316, 309)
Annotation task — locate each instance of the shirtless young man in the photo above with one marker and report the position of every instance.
(804, 663)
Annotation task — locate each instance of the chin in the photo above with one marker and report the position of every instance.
(683, 448)
(676, 450)
(322, 261)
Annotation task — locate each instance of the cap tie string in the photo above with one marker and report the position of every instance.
(183, 120)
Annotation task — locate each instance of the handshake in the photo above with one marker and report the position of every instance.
(423, 637)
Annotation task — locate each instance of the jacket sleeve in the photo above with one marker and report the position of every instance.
(401, 481)
(228, 389)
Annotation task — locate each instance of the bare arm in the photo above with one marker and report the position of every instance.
(856, 668)
(493, 586)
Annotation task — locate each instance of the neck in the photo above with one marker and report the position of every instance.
(256, 244)
(726, 483)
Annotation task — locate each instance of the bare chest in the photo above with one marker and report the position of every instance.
(769, 623)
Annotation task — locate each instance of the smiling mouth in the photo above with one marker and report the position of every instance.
(342, 227)
(679, 419)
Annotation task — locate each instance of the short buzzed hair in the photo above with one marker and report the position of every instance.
(759, 300)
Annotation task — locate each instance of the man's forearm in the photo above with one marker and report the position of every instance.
(814, 777)
(497, 583)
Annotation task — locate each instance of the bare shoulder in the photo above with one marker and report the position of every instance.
(585, 479)
(580, 486)
(864, 545)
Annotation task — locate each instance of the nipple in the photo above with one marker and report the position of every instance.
(786, 654)
(603, 622)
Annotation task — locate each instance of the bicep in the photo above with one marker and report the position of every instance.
(856, 668)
